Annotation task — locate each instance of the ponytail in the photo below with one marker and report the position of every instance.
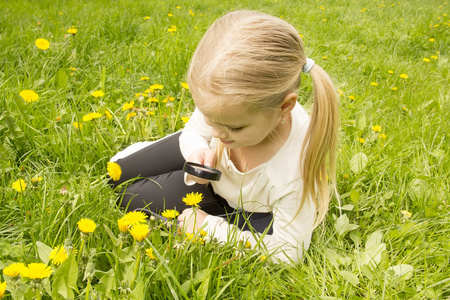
(319, 147)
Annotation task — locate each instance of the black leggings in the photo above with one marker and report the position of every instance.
(154, 179)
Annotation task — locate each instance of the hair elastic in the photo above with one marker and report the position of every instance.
(308, 66)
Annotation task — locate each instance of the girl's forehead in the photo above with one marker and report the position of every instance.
(227, 114)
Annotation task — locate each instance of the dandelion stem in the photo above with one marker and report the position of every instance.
(88, 289)
(138, 257)
(81, 251)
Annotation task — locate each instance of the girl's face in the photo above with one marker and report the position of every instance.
(238, 127)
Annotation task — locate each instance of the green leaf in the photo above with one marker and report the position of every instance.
(106, 284)
(350, 277)
(354, 196)
(65, 278)
(374, 238)
(358, 162)
(402, 272)
(43, 251)
(343, 225)
(372, 255)
(62, 79)
(138, 292)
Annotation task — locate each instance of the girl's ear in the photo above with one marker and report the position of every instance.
(288, 103)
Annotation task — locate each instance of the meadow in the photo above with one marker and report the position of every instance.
(81, 80)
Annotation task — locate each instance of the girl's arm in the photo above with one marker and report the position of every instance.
(195, 135)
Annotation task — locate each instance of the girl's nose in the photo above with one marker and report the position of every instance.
(218, 133)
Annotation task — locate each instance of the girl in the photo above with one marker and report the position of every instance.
(274, 158)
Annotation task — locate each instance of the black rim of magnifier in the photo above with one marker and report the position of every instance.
(209, 173)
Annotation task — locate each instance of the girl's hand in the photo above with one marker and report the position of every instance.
(191, 220)
(204, 156)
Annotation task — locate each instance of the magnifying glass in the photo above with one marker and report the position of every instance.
(202, 171)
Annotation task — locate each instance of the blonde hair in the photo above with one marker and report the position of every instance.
(254, 59)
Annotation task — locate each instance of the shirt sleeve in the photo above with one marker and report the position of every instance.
(291, 231)
(195, 135)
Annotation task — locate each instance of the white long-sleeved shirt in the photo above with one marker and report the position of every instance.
(274, 186)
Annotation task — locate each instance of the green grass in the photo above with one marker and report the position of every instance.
(369, 251)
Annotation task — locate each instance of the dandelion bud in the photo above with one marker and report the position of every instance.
(68, 245)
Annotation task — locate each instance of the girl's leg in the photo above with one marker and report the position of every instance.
(150, 158)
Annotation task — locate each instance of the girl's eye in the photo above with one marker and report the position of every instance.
(236, 129)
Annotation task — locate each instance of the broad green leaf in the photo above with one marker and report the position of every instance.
(358, 162)
(350, 277)
(65, 278)
(372, 255)
(343, 225)
(402, 272)
(43, 251)
(374, 238)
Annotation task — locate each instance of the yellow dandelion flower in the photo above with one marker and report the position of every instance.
(351, 97)
(172, 29)
(325, 57)
(77, 125)
(135, 217)
(145, 78)
(36, 179)
(434, 57)
(203, 233)
(185, 119)
(19, 185)
(155, 87)
(86, 225)
(391, 72)
(192, 14)
(29, 96)
(426, 59)
(14, 269)
(91, 116)
(382, 135)
(108, 115)
(98, 94)
(170, 15)
(139, 231)
(404, 76)
(128, 105)
(406, 214)
(170, 214)
(58, 255)
(149, 253)
(247, 245)
(394, 88)
(376, 128)
(2, 289)
(147, 18)
(42, 44)
(184, 85)
(114, 170)
(72, 30)
(263, 257)
(404, 108)
(361, 140)
(151, 113)
(130, 115)
(73, 69)
(374, 84)
(37, 271)
(193, 199)
(152, 99)
(123, 224)
(432, 40)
